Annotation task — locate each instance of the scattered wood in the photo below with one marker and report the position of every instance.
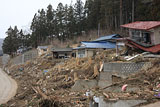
(38, 90)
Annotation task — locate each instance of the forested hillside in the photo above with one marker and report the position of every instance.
(70, 21)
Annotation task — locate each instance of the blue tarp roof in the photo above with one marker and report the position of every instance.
(109, 37)
(97, 45)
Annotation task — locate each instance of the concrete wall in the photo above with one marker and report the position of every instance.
(125, 68)
(25, 57)
(119, 71)
(88, 53)
(5, 59)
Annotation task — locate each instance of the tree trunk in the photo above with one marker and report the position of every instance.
(133, 10)
(121, 20)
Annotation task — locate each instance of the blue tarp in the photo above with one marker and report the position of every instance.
(109, 37)
(97, 45)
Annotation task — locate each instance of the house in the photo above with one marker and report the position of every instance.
(62, 52)
(42, 50)
(144, 35)
(87, 49)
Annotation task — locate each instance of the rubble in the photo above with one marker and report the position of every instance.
(51, 82)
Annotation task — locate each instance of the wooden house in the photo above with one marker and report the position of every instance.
(88, 48)
(144, 35)
(62, 52)
(42, 50)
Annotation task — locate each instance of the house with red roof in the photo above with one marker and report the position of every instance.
(144, 35)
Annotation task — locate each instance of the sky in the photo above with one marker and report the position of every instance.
(21, 12)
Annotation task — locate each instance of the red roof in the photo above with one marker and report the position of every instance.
(142, 25)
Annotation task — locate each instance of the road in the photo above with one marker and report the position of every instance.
(156, 104)
(8, 87)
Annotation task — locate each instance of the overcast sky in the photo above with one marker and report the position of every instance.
(21, 12)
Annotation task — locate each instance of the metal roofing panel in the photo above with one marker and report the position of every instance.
(109, 37)
(142, 25)
(62, 49)
(42, 47)
(105, 45)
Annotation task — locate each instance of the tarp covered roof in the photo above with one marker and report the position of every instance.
(142, 25)
(97, 45)
(108, 37)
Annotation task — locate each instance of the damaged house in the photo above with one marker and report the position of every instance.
(42, 50)
(62, 52)
(144, 35)
(88, 48)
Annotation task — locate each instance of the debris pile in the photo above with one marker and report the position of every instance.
(142, 85)
(47, 81)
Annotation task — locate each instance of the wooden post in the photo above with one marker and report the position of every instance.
(116, 48)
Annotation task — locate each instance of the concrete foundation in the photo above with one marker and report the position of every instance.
(84, 85)
(118, 103)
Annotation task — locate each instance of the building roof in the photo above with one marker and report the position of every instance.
(108, 37)
(97, 45)
(142, 25)
(62, 50)
(42, 47)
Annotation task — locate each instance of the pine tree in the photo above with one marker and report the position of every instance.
(79, 15)
(60, 21)
(11, 43)
(71, 22)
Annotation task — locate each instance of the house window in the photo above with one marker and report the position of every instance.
(81, 53)
(141, 36)
(146, 37)
(136, 35)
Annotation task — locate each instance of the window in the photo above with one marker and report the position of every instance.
(81, 53)
(44, 49)
(146, 37)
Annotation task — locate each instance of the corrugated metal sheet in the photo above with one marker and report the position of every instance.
(109, 37)
(42, 47)
(142, 25)
(62, 49)
(97, 45)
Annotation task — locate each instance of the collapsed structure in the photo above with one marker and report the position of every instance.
(144, 35)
